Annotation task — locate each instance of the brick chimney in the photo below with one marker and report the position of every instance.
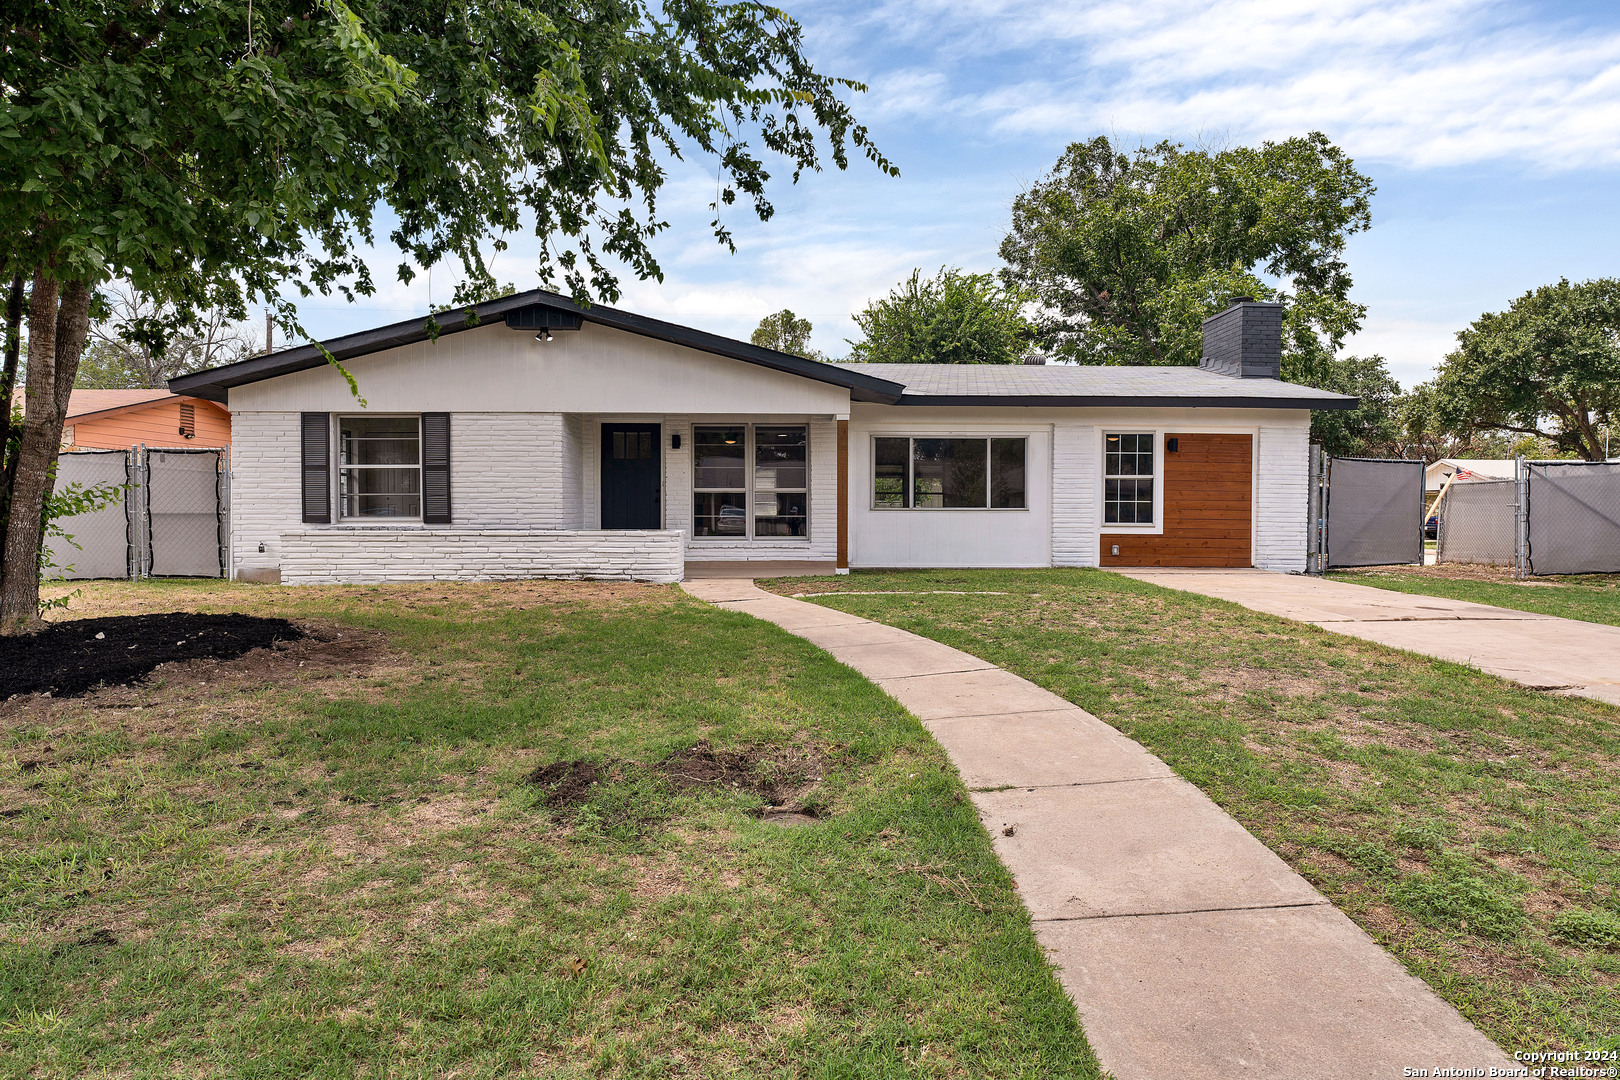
(1245, 340)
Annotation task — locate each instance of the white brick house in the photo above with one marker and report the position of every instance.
(546, 440)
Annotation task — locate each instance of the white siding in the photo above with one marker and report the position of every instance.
(1282, 477)
(592, 370)
(895, 537)
(331, 556)
(1075, 468)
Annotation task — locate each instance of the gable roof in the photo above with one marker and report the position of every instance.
(83, 404)
(1075, 385)
(889, 384)
(531, 310)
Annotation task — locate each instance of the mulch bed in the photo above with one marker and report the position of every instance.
(68, 659)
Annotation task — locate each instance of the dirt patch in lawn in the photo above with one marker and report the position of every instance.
(68, 659)
(781, 776)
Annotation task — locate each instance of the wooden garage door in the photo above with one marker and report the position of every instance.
(1208, 507)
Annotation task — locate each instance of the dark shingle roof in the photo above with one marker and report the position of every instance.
(1064, 384)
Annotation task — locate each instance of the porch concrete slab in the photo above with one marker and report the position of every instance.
(907, 658)
(1541, 651)
(991, 692)
(1140, 847)
(748, 570)
(1276, 993)
(1042, 749)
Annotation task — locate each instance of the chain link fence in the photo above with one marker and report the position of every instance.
(1477, 521)
(1572, 517)
(173, 519)
(1365, 512)
(99, 544)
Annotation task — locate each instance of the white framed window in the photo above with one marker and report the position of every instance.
(1128, 476)
(915, 473)
(380, 467)
(751, 481)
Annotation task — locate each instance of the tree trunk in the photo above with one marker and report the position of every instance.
(8, 380)
(58, 323)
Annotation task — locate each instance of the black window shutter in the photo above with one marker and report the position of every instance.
(436, 468)
(317, 461)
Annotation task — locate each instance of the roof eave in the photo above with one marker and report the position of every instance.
(215, 383)
(1128, 401)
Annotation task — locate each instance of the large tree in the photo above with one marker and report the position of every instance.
(785, 332)
(951, 318)
(1372, 428)
(134, 344)
(1127, 253)
(239, 146)
(1548, 367)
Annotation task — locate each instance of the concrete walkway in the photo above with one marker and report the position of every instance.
(1191, 950)
(1541, 651)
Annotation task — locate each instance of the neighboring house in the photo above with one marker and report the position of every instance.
(119, 419)
(1466, 470)
(551, 440)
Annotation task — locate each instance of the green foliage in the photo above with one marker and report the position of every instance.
(1454, 897)
(1372, 427)
(785, 332)
(1548, 367)
(1596, 929)
(238, 145)
(1129, 252)
(63, 503)
(952, 318)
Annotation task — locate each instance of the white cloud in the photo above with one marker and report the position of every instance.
(1419, 82)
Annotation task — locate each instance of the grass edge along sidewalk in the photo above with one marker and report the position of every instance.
(1585, 597)
(330, 859)
(1472, 826)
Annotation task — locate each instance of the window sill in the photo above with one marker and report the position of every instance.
(952, 509)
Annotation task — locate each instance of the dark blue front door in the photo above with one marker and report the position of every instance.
(630, 471)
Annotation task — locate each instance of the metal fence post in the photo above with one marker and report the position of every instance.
(225, 510)
(1313, 510)
(1521, 516)
(143, 513)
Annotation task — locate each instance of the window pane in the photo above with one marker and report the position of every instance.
(889, 471)
(720, 513)
(949, 472)
(380, 493)
(1128, 501)
(378, 440)
(719, 457)
(779, 459)
(1007, 474)
(1128, 455)
(782, 514)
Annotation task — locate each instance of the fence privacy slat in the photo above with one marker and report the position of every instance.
(1574, 517)
(1374, 512)
(316, 441)
(436, 468)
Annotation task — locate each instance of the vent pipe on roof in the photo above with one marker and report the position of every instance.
(1245, 340)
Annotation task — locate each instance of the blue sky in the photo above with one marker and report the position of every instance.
(1491, 129)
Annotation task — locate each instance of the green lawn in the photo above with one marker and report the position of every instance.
(1471, 825)
(1589, 597)
(329, 861)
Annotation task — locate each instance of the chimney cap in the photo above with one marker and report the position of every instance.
(1232, 301)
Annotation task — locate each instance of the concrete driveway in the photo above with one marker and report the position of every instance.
(1541, 651)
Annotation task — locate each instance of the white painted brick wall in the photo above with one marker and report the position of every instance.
(1281, 480)
(265, 495)
(573, 471)
(511, 470)
(342, 556)
(1075, 467)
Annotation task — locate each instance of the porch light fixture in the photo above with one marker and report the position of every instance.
(544, 335)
